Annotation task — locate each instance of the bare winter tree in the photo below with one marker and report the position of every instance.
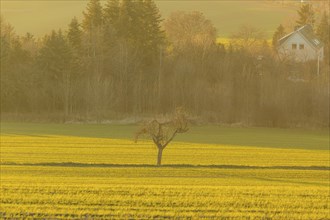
(248, 37)
(185, 30)
(163, 133)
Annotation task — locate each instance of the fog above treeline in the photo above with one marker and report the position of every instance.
(40, 17)
(123, 60)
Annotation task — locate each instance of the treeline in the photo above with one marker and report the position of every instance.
(123, 60)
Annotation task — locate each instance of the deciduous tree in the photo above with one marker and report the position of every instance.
(162, 133)
(248, 37)
(190, 29)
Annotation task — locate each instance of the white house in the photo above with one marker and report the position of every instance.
(301, 45)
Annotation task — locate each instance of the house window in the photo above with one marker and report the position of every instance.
(294, 46)
(301, 46)
(316, 41)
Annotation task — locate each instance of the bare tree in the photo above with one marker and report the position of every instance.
(163, 133)
(185, 30)
(248, 37)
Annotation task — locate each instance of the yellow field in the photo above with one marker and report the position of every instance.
(227, 41)
(59, 149)
(63, 177)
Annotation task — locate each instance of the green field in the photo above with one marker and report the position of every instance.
(67, 171)
(260, 137)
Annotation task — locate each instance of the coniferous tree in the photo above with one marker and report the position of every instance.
(76, 67)
(5, 42)
(111, 25)
(54, 62)
(6, 36)
(306, 15)
(54, 54)
(138, 23)
(93, 16)
(75, 35)
(322, 32)
(154, 35)
(279, 33)
(74, 38)
(16, 71)
(112, 12)
(323, 28)
(30, 44)
(14, 81)
(93, 26)
(126, 19)
(112, 65)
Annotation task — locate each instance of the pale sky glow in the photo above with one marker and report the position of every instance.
(40, 17)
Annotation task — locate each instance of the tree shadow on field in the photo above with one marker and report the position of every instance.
(73, 164)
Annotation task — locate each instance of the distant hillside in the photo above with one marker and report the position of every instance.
(40, 17)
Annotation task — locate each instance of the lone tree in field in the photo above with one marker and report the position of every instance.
(163, 133)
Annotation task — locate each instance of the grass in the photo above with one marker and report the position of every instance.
(258, 137)
(58, 171)
(62, 149)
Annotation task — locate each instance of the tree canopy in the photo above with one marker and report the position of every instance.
(122, 60)
(306, 15)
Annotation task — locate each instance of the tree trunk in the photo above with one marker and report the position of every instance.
(159, 158)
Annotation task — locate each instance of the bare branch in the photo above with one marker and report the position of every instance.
(163, 133)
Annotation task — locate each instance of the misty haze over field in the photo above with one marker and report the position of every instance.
(153, 109)
(219, 60)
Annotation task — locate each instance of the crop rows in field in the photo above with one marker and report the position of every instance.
(150, 201)
(62, 149)
(145, 193)
(62, 177)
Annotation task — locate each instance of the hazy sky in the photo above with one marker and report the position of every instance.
(40, 17)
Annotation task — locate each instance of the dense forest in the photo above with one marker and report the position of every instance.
(123, 60)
